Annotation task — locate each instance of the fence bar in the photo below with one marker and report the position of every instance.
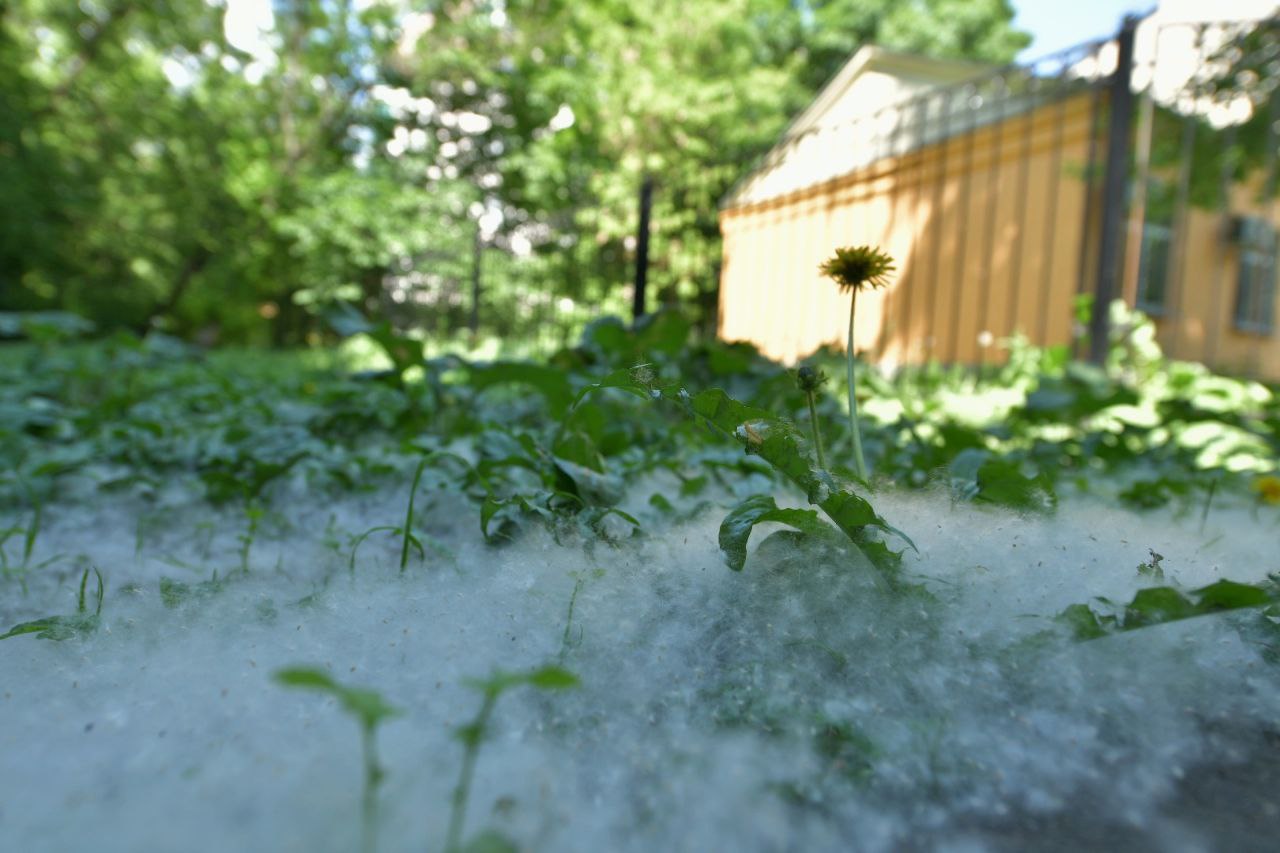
(1178, 246)
(1113, 191)
(939, 197)
(962, 222)
(642, 249)
(1050, 238)
(1020, 196)
(1138, 203)
(1086, 269)
(1213, 332)
(918, 225)
(993, 207)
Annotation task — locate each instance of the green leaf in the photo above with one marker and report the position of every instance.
(345, 319)
(490, 841)
(1157, 605)
(489, 509)
(736, 528)
(64, 627)
(316, 679)
(366, 705)
(978, 475)
(552, 678)
(1083, 623)
(551, 383)
(589, 485)
(1229, 595)
(623, 378)
(1163, 604)
(777, 442)
(544, 678)
(725, 412)
(850, 512)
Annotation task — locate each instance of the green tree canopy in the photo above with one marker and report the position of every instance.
(158, 169)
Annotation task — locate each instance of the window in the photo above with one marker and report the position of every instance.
(1153, 267)
(1256, 285)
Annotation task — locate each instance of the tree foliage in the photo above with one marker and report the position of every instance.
(158, 169)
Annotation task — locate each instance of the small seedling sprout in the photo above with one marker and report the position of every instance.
(567, 641)
(253, 512)
(370, 710)
(408, 518)
(65, 627)
(473, 733)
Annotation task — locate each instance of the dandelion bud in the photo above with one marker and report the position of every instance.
(809, 380)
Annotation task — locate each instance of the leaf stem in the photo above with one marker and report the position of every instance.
(408, 517)
(817, 433)
(372, 778)
(475, 732)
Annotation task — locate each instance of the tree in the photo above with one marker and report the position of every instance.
(575, 102)
(157, 172)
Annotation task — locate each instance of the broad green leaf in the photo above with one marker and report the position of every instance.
(549, 382)
(778, 443)
(623, 378)
(736, 528)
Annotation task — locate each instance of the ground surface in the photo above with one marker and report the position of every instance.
(789, 707)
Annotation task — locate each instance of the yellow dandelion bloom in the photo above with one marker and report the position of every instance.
(858, 268)
(1267, 488)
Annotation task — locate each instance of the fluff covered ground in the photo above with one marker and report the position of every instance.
(789, 707)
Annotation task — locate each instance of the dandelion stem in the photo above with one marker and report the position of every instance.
(860, 464)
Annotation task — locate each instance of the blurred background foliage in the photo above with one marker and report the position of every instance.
(223, 170)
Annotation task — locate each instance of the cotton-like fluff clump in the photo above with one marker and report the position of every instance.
(790, 706)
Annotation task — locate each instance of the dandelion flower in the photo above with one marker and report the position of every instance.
(1267, 488)
(854, 269)
(858, 268)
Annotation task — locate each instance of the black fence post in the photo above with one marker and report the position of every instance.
(1114, 188)
(642, 250)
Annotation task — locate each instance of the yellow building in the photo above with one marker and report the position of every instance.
(986, 187)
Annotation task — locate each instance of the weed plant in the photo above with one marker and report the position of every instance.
(472, 735)
(705, 426)
(65, 627)
(370, 710)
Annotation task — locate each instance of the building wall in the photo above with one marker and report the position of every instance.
(1198, 323)
(965, 219)
(993, 232)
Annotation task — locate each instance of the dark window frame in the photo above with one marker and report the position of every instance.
(1153, 268)
(1254, 309)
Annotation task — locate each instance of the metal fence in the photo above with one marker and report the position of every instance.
(1201, 217)
(522, 291)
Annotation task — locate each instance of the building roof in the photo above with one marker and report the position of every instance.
(867, 88)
